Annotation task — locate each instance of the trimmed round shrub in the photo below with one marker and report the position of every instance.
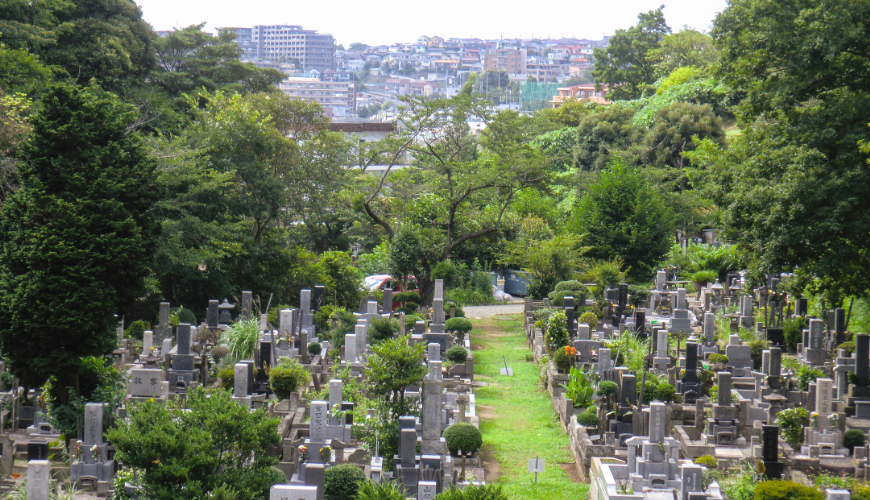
(607, 388)
(786, 490)
(588, 418)
(665, 393)
(383, 328)
(136, 330)
(590, 319)
(459, 325)
(227, 375)
(180, 315)
(570, 285)
(707, 461)
(463, 437)
(287, 377)
(456, 354)
(718, 358)
(558, 298)
(314, 348)
(853, 438)
(341, 482)
(564, 358)
(409, 311)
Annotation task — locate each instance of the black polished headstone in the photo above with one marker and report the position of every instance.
(640, 323)
(622, 295)
(862, 357)
(770, 443)
(37, 451)
(800, 307)
(691, 362)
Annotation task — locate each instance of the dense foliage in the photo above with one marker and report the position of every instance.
(193, 448)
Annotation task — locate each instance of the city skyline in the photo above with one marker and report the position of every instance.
(384, 22)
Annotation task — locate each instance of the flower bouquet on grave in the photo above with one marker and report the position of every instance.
(303, 453)
(814, 417)
(326, 453)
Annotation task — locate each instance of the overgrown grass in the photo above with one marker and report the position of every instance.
(525, 425)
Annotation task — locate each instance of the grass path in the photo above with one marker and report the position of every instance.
(523, 423)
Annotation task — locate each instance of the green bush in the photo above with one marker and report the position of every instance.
(447, 271)
(382, 328)
(475, 492)
(638, 296)
(241, 339)
(341, 482)
(405, 297)
(410, 321)
(564, 359)
(383, 491)
(607, 388)
(456, 354)
(588, 418)
(557, 332)
(849, 347)
(805, 375)
(459, 327)
(558, 298)
(591, 319)
(571, 288)
(571, 285)
(480, 281)
(707, 461)
(756, 348)
(786, 490)
(718, 358)
(580, 387)
(408, 310)
(457, 313)
(287, 377)
(346, 322)
(314, 348)
(853, 438)
(704, 276)
(463, 436)
(792, 331)
(136, 330)
(180, 315)
(227, 375)
(665, 393)
(792, 422)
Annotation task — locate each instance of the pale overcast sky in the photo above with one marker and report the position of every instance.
(391, 21)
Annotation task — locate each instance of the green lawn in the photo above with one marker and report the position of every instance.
(525, 424)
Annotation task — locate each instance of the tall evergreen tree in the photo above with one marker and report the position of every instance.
(76, 238)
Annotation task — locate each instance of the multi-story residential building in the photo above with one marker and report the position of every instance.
(508, 60)
(586, 91)
(337, 98)
(282, 42)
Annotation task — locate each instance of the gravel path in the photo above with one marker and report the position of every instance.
(487, 311)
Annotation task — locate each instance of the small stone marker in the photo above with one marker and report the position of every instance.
(38, 479)
(536, 465)
(506, 371)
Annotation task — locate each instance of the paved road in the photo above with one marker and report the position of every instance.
(486, 311)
